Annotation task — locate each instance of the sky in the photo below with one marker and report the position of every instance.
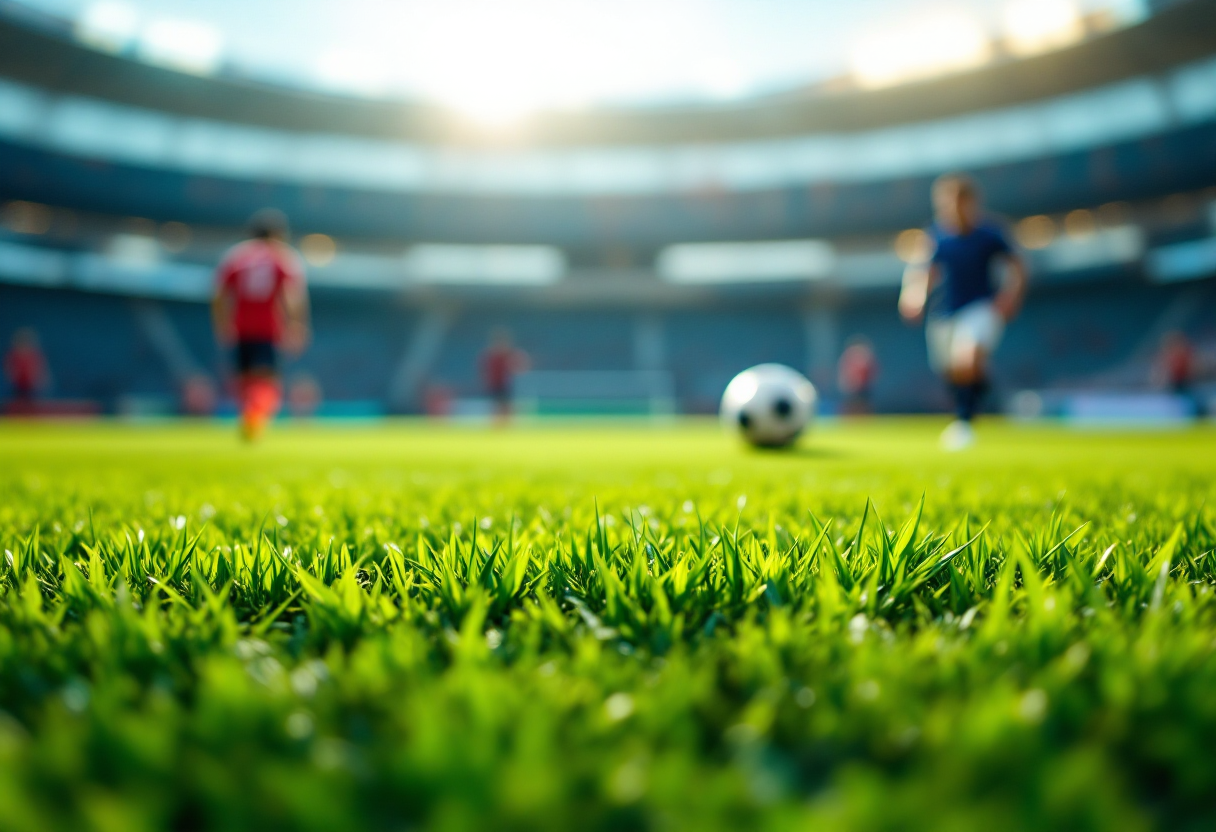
(503, 57)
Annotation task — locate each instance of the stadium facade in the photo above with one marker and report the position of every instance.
(670, 247)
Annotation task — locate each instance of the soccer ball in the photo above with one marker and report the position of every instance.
(769, 405)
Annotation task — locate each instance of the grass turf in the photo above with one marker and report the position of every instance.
(605, 628)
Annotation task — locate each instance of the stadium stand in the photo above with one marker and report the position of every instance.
(122, 184)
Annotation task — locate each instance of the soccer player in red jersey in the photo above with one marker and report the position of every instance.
(1175, 363)
(261, 307)
(499, 364)
(25, 367)
(856, 372)
(1178, 368)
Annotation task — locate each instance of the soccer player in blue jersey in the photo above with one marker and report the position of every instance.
(958, 293)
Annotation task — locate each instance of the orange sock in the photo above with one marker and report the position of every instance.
(260, 403)
(264, 397)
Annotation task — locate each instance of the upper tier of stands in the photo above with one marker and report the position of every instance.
(41, 52)
(1129, 115)
(122, 184)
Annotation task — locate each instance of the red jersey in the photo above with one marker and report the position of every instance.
(1177, 360)
(255, 275)
(857, 370)
(498, 365)
(25, 369)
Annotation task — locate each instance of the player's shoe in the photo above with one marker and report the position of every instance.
(261, 403)
(958, 436)
(253, 425)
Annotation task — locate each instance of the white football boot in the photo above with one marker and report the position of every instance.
(958, 436)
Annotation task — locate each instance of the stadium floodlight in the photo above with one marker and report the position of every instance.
(1079, 223)
(134, 251)
(913, 245)
(185, 45)
(318, 249)
(351, 71)
(1094, 248)
(108, 25)
(933, 45)
(485, 265)
(23, 217)
(747, 262)
(1039, 25)
(1035, 232)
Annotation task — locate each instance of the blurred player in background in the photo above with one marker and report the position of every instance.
(1176, 367)
(500, 363)
(957, 292)
(303, 396)
(26, 371)
(855, 374)
(261, 307)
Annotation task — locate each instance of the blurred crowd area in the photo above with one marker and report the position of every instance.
(651, 254)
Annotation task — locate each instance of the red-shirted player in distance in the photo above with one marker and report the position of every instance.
(499, 364)
(25, 367)
(856, 372)
(260, 307)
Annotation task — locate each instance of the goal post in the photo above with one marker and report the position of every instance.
(595, 392)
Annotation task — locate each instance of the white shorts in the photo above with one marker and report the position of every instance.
(949, 339)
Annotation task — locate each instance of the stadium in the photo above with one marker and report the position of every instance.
(493, 563)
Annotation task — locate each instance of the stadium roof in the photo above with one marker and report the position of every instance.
(92, 129)
(495, 58)
(48, 58)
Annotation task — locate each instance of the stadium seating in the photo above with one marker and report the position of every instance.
(1068, 336)
(96, 176)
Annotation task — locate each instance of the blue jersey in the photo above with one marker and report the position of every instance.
(964, 266)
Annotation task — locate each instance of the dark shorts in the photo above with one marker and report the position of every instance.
(254, 356)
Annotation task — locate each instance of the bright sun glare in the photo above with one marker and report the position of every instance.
(496, 61)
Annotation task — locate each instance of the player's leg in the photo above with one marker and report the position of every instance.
(977, 332)
(241, 360)
(942, 338)
(968, 376)
(22, 403)
(944, 342)
(261, 403)
(939, 335)
(260, 391)
(502, 405)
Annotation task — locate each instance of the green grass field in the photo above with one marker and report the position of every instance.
(606, 627)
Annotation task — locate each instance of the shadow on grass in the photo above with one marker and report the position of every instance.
(803, 452)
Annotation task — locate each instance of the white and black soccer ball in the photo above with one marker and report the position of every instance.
(768, 405)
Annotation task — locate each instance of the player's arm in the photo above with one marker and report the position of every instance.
(919, 279)
(1009, 300)
(297, 313)
(221, 312)
(295, 304)
(42, 374)
(521, 362)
